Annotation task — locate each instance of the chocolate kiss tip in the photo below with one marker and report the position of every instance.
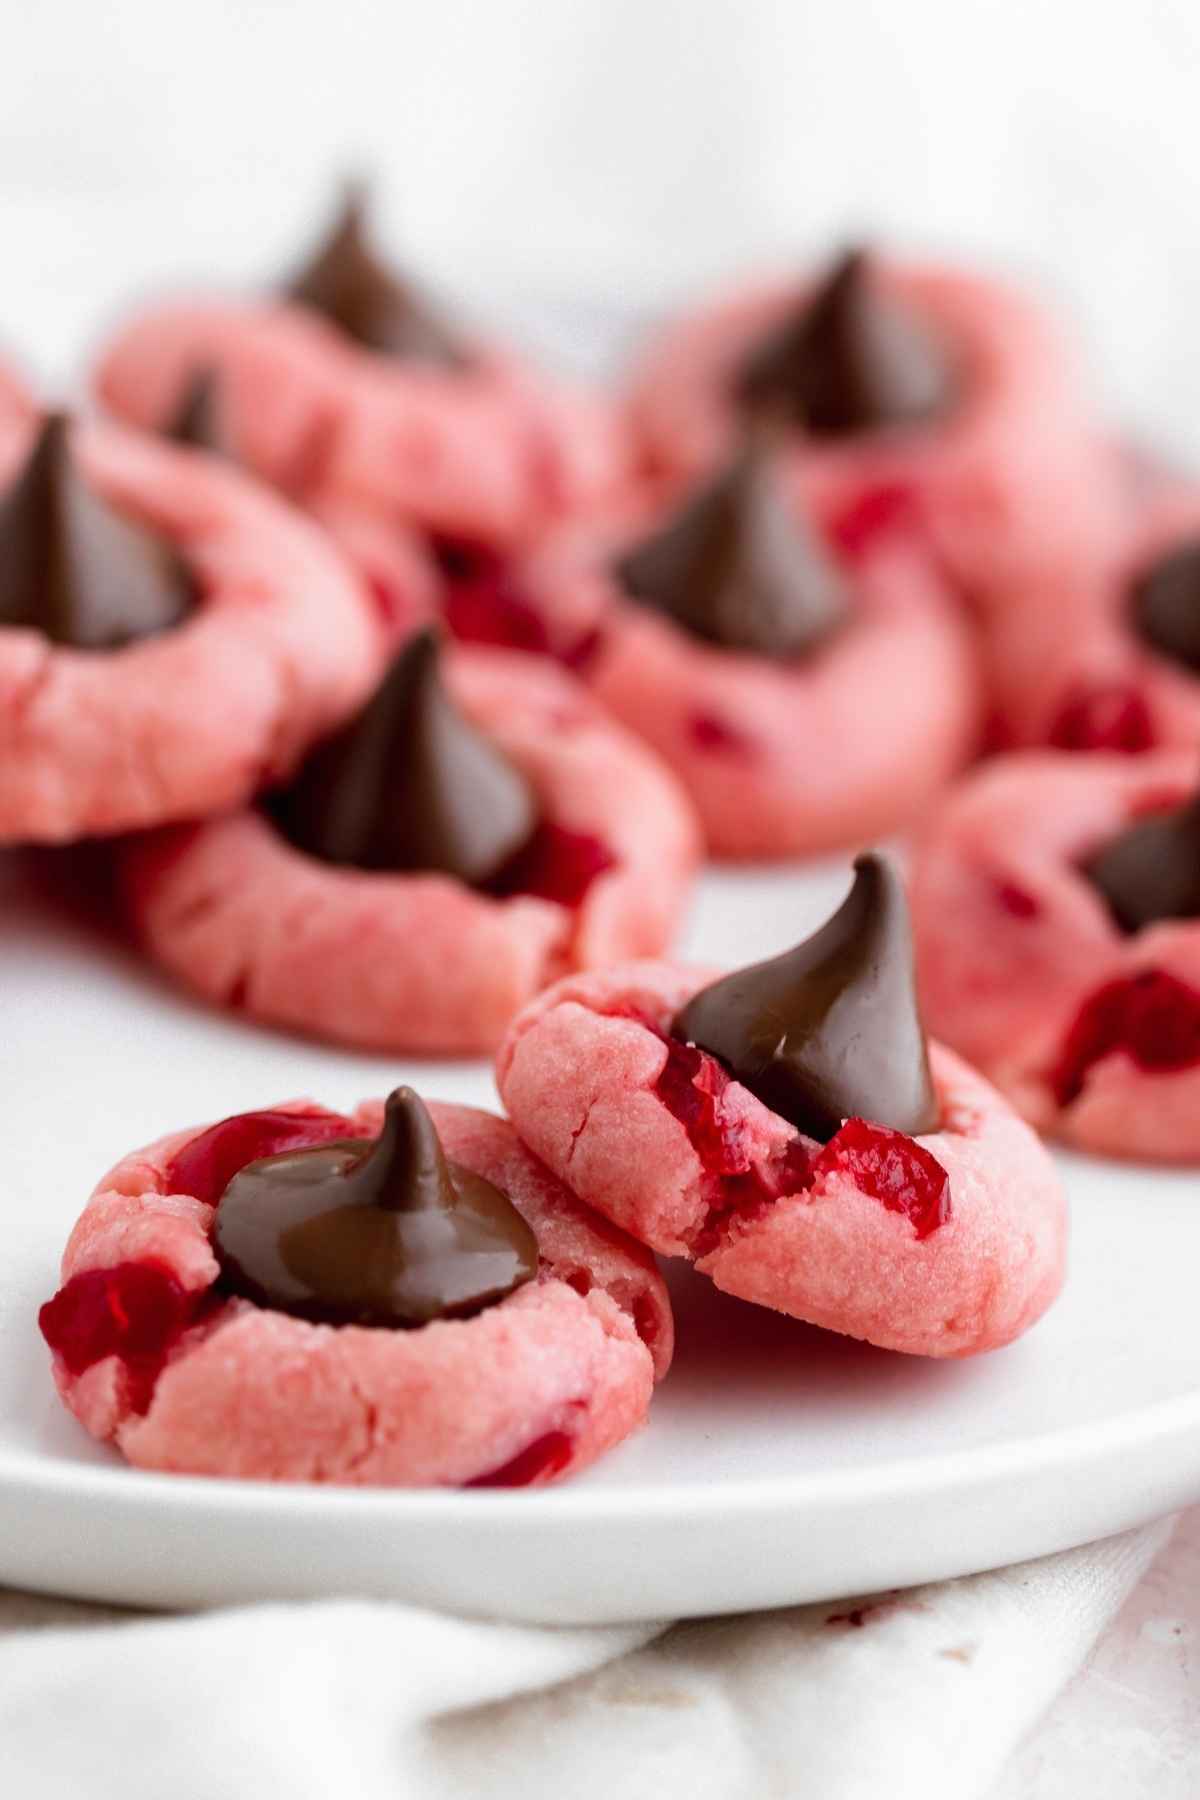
(1151, 871)
(409, 1152)
(853, 358)
(411, 784)
(195, 421)
(830, 1030)
(735, 565)
(75, 567)
(346, 282)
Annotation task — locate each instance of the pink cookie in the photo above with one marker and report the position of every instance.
(780, 758)
(940, 1246)
(490, 451)
(1013, 479)
(1091, 1031)
(16, 402)
(1069, 668)
(151, 1355)
(422, 962)
(281, 646)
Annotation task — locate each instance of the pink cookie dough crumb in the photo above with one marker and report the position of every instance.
(1094, 1035)
(281, 646)
(423, 963)
(944, 1245)
(151, 1355)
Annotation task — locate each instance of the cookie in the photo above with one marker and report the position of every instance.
(423, 1305)
(1105, 653)
(788, 1131)
(454, 849)
(1056, 907)
(171, 635)
(347, 390)
(948, 388)
(811, 683)
(16, 403)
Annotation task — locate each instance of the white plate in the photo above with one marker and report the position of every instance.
(781, 1464)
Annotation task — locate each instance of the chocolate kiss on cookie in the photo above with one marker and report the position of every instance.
(737, 568)
(852, 359)
(372, 1231)
(1166, 606)
(410, 784)
(1152, 871)
(830, 1030)
(196, 421)
(347, 283)
(74, 567)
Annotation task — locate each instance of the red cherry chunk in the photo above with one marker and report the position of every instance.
(875, 511)
(708, 732)
(692, 1088)
(206, 1164)
(556, 864)
(135, 1311)
(546, 1456)
(893, 1169)
(1112, 717)
(1152, 1016)
(463, 558)
(487, 609)
(1016, 901)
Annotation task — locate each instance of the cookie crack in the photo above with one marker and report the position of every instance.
(369, 1409)
(22, 701)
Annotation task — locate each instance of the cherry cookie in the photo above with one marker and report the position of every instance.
(16, 404)
(430, 867)
(1106, 654)
(808, 692)
(349, 392)
(901, 384)
(788, 1131)
(1056, 903)
(170, 635)
(403, 1297)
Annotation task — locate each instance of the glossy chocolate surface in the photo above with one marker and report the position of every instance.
(853, 358)
(736, 566)
(831, 1029)
(379, 1231)
(1166, 606)
(410, 784)
(1152, 870)
(349, 286)
(196, 420)
(76, 568)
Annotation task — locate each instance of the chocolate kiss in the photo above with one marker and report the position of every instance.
(1166, 606)
(1152, 871)
(372, 1231)
(853, 359)
(74, 567)
(348, 284)
(196, 421)
(410, 784)
(830, 1030)
(736, 567)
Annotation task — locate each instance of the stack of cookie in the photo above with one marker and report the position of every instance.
(408, 686)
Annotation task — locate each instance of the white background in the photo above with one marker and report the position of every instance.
(612, 148)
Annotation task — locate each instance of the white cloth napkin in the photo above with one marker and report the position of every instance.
(911, 1696)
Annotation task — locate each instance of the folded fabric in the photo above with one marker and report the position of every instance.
(913, 1695)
